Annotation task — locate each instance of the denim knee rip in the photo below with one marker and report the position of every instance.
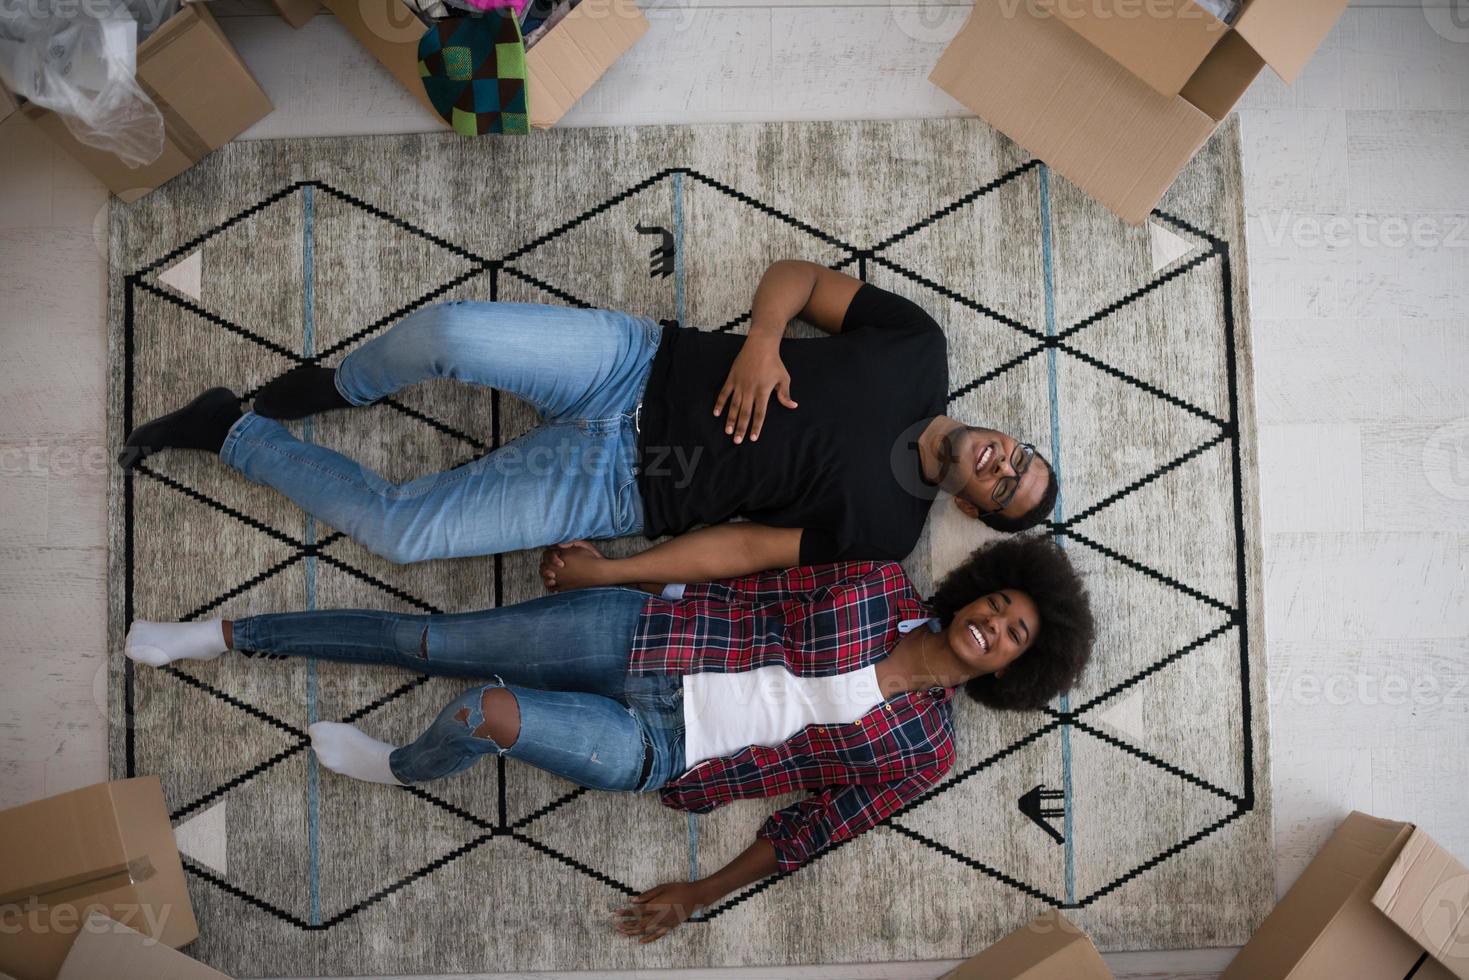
(472, 713)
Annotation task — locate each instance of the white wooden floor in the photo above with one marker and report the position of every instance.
(1359, 281)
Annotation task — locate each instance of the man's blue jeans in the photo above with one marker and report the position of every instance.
(564, 657)
(572, 477)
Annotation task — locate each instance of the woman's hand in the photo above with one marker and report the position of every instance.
(657, 912)
(573, 565)
(756, 373)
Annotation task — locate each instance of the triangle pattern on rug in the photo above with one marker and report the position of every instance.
(1169, 340)
(729, 240)
(1115, 433)
(1111, 788)
(984, 820)
(1096, 263)
(1179, 712)
(1172, 526)
(1124, 716)
(1166, 247)
(1140, 621)
(254, 263)
(992, 238)
(205, 837)
(185, 274)
(618, 256)
(366, 272)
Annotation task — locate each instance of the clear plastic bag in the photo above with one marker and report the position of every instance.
(64, 57)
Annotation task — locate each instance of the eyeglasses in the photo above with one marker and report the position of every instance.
(1006, 486)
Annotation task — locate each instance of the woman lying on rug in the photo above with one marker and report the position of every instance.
(830, 678)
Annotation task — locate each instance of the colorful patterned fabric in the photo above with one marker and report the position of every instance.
(473, 69)
(813, 621)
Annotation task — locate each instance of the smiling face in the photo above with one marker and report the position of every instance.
(982, 475)
(993, 630)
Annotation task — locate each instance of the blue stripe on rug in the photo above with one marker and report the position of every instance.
(308, 348)
(1060, 511)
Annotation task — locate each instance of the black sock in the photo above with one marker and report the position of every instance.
(201, 424)
(304, 390)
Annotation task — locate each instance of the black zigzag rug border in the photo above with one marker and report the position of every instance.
(864, 258)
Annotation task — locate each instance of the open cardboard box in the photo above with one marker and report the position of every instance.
(204, 91)
(1118, 95)
(560, 68)
(107, 847)
(1380, 901)
(1047, 948)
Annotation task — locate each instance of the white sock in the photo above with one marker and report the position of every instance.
(350, 751)
(156, 644)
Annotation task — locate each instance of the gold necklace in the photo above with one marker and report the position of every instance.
(923, 654)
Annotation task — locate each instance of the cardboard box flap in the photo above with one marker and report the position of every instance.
(568, 60)
(1222, 79)
(1089, 118)
(1287, 33)
(1048, 947)
(1311, 931)
(107, 948)
(1161, 41)
(1426, 894)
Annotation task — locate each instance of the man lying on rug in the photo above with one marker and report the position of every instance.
(830, 678)
(645, 429)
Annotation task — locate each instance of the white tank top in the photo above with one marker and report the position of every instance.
(723, 713)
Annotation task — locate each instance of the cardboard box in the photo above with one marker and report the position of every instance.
(107, 948)
(1118, 95)
(107, 846)
(206, 95)
(560, 68)
(1047, 948)
(296, 12)
(1380, 901)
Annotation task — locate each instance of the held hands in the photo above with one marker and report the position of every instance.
(657, 912)
(572, 565)
(757, 372)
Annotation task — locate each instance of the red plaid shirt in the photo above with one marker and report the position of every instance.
(813, 621)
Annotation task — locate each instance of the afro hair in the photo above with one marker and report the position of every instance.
(1035, 565)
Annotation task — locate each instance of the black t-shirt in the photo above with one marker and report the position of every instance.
(843, 465)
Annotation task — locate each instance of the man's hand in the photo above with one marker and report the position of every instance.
(657, 912)
(756, 373)
(573, 565)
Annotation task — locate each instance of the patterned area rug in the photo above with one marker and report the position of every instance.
(1140, 803)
